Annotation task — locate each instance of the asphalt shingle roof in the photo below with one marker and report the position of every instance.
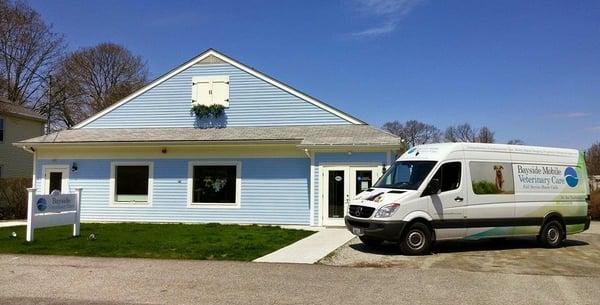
(302, 135)
(8, 108)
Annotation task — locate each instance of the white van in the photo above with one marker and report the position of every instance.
(473, 191)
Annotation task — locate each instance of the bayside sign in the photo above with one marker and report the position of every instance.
(53, 210)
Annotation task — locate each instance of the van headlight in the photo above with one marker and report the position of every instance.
(387, 210)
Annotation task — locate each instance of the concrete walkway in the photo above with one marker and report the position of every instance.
(12, 223)
(311, 249)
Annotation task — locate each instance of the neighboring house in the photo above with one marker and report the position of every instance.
(276, 155)
(17, 123)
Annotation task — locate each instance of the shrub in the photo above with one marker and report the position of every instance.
(594, 206)
(13, 197)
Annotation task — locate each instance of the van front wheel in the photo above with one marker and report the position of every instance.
(552, 234)
(416, 240)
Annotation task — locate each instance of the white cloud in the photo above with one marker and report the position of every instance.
(390, 11)
(570, 115)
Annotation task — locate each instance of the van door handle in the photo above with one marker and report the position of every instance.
(458, 199)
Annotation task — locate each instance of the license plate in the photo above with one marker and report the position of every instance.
(358, 231)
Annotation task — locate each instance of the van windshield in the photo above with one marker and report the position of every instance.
(405, 175)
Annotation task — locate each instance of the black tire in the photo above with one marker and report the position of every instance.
(416, 240)
(370, 241)
(552, 234)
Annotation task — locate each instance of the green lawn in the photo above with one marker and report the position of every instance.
(170, 241)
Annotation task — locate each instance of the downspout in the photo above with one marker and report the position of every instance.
(311, 187)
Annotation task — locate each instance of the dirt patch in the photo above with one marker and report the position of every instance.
(580, 256)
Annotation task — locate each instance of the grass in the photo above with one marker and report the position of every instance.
(165, 241)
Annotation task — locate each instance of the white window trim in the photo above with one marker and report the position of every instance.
(46, 182)
(113, 187)
(238, 185)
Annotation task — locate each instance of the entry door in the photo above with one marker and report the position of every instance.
(56, 178)
(342, 183)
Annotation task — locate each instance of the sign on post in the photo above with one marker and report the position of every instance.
(53, 210)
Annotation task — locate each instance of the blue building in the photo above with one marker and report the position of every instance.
(274, 155)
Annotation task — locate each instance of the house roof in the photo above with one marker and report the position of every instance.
(325, 135)
(8, 108)
(221, 57)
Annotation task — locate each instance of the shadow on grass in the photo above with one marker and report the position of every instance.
(455, 246)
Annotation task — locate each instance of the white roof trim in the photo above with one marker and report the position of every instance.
(234, 63)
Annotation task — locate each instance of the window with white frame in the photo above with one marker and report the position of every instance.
(213, 183)
(210, 90)
(131, 183)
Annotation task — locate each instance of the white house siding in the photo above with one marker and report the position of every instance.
(273, 191)
(253, 102)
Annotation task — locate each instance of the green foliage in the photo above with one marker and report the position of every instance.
(166, 241)
(211, 111)
(485, 188)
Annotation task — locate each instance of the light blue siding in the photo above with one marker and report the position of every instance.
(274, 191)
(253, 102)
(375, 158)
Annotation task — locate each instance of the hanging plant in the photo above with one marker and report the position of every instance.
(211, 111)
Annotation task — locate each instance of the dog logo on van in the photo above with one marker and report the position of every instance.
(571, 177)
(499, 177)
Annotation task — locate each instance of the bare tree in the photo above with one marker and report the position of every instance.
(414, 132)
(95, 78)
(28, 50)
(461, 133)
(516, 142)
(592, 159)
(485, 135)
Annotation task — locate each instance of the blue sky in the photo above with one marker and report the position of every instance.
(527, 69)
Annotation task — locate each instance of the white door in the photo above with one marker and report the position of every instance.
(340, 184)
(56, 178)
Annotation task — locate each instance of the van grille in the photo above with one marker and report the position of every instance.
(361, 211)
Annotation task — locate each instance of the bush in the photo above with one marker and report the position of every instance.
(594, 206)
(13, 197)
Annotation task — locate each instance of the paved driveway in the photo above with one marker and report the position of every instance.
(81, 280)
(579, 257)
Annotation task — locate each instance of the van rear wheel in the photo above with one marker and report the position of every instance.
(416, 240)
(552, 234)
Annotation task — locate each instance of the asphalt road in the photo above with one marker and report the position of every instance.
(100, 281)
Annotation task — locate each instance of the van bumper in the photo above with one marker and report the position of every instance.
(378, 229)
(587, 223)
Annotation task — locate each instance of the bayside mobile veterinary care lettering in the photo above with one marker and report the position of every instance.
(544, 178)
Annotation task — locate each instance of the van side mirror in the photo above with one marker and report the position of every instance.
(433, 187)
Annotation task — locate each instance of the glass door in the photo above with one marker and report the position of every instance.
(340, 185)
(336, 193)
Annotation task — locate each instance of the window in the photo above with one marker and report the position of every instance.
(210, 90)
(131, 183)
(405, 175)
(1, 130)
(492, 178)
(214, 184)
(449, 176)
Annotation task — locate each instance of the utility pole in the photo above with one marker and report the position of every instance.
(49, 103)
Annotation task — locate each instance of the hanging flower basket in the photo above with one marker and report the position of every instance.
(210, 111)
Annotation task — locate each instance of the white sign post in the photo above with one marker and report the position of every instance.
(53, 210)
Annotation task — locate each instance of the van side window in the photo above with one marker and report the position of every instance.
(492, 178)
(449, 176)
